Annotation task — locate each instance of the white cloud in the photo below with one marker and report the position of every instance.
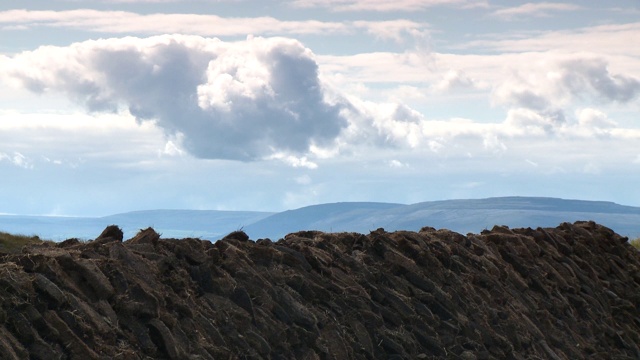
(385, 5)
(540, 97)
(265, 99)
(454, 80)
(607, 40)
(532, 122)
(160, 1)
(294, 161)
(408, 68)
(382, 125)
(592, 77)
(72, 140)
(171, 149)
(397, 30)
(435, 146)
(397, 164)
(241, 101)
(14, 27)
(17, 159)
(542, 93)
(525, 109)
(594, 118)
(540, 9)
(544, 81)
(501, 53)
(123, 22)
(493, 144)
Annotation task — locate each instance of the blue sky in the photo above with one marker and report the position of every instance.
(108, 106)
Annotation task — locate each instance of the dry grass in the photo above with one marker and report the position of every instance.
(635, 243)
(10, 243)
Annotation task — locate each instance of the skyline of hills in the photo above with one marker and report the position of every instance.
(463, 216)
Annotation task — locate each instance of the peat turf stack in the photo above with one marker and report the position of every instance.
(566, 293)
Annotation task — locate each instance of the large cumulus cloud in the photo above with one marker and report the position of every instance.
(242, 101)
(264, 99)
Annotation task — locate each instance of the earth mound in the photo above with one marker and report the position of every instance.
(570, 292)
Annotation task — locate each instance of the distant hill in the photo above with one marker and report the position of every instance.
(206, 224)
(335, 217)
(462, 216)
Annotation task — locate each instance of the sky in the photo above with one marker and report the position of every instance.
(108, 106)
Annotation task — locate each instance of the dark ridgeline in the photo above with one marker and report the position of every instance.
(569, 292)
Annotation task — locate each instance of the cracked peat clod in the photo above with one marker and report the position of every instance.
(570, 292)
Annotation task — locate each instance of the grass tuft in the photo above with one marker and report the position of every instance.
(10, 243)
(635, 243)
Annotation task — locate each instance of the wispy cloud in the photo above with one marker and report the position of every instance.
(157, 1)
(554, 83)
(608, 40)
(385, 5)
(16, 159)
(396, 30)
(53, 138)
(122, 22)
(540, 9)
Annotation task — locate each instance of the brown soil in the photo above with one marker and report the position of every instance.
(566, 293)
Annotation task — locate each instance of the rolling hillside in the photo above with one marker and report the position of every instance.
(206, 224)
(462, 216)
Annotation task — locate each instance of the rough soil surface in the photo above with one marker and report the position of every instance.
(566, 293)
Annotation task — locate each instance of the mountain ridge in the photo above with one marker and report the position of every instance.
(461, 215)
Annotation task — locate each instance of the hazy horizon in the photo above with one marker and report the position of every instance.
(463, 216)
(111, 106)
(248, 210)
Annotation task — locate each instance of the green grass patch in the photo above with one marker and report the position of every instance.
(635, 243)
(10, 243)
